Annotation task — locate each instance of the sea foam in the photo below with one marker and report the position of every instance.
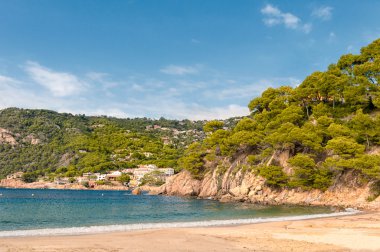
(142, 226)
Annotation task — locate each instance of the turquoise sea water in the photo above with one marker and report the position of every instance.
(24, 209)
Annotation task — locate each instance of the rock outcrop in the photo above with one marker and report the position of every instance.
(136, 191)
(153, 190)
(182, 184)
(32, 139)
(239, 185)
(7, 136)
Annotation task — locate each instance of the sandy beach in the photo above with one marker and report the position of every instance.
(348, 233)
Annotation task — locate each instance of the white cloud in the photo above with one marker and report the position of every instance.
(274, 16)
(96, 76)
(100, 111)
(179, 70)
(58, 83)
(271, 10)
(324, 13)
(103, 80)
(252, 90)
(14, 93)
(306, 28)
(225, 112)
(6, 81)
(137, 96)
(18, 94)
(137, 87)
(175, 108)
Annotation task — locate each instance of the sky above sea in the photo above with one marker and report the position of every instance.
(199, 59)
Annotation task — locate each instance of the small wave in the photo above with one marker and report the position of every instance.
(142, 226)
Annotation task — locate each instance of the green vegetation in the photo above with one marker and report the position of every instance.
(329, 124)
(124, 178)
(193, 160)
(273, 174)
(155, 178)
(51, 144)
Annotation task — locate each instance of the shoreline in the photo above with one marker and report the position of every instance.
(88, 230)
(71, 189)
(359, 232)
(15, 184)
(150, 192)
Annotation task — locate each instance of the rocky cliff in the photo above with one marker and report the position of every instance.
(239, 184)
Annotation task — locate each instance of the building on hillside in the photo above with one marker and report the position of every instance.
(128, 171)
(140, 172)
(113, 176)
(16, 175)
(101, 177)
(82, 179)
(167, 171)
(61, 181)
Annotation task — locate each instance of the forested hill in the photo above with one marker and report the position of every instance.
(304, 137)
(49, 143)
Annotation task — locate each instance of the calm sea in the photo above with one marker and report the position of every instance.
(33, 212)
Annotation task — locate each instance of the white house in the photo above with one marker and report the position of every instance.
(139, 173)
(101, 177)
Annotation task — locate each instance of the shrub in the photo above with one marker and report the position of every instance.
(273, 174)
(29, 177)
(124, 178)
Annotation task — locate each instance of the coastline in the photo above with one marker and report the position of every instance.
(166, 225)
(154, 190)
(359, 232)
(17, 184)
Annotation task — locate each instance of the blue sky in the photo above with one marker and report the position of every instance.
(194, 59)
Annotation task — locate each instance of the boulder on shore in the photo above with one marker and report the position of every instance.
(136, 191)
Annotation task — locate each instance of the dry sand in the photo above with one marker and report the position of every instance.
(350, 233)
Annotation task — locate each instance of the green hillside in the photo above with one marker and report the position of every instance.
(48, 143)
(329, 124)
